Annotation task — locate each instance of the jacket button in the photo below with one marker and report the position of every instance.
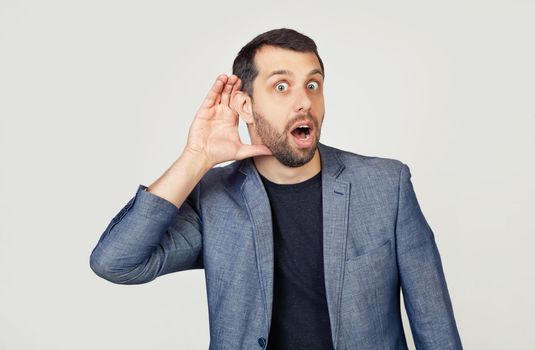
(262, 342)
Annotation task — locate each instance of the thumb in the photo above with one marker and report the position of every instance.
(247, 151)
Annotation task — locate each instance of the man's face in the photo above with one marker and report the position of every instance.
(288, 105)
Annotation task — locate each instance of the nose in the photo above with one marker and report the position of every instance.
(302, 101)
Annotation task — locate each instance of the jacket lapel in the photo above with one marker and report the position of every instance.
(259, 210)
(335, 224)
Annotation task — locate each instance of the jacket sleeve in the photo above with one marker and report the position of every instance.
(423, 283)
(149, 237)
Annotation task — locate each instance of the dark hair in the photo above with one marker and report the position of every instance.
(244, 66)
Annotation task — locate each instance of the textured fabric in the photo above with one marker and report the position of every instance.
(376, 241)
(300, 316)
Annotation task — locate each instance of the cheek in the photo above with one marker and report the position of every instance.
(319, 102)
(276, 116)
(319, 109)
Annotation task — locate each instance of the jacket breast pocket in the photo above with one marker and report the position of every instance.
(373, 258)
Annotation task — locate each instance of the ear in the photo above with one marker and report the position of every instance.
(242, 104)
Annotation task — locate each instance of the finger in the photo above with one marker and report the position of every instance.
(225, 96)
(237, 86)
(214, 94)
(247, 151)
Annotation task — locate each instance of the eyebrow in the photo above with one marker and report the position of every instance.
(287, 72)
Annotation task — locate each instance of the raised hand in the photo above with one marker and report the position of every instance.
(213, 134)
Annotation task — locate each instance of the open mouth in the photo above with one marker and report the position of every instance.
(302, 132)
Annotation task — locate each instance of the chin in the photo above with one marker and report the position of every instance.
(291, 160)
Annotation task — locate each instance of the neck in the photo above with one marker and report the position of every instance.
(270, 168)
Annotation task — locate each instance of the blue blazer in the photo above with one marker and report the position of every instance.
(376, 243)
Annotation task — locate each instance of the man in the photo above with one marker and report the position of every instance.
(304, 246)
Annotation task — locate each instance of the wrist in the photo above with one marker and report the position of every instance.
(196, 160)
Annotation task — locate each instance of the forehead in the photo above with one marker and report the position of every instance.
(271, 58)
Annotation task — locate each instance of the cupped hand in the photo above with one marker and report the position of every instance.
(213, 134)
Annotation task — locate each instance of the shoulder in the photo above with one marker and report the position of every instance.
(366, 165)
(227, 175)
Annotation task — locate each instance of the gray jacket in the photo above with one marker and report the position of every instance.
(376, 243)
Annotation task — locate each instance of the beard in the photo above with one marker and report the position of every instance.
(279, 143)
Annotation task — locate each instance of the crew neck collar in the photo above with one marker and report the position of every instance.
(291, 187)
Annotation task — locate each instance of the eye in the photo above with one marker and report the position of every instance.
(281, 86)
(313, 85)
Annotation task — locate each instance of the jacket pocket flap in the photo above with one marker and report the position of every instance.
(369, 255)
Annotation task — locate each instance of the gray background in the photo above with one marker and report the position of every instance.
(97, 98)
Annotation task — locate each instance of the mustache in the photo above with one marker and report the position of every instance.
(307, 116)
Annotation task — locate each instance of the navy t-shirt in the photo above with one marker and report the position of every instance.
(300, 318)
